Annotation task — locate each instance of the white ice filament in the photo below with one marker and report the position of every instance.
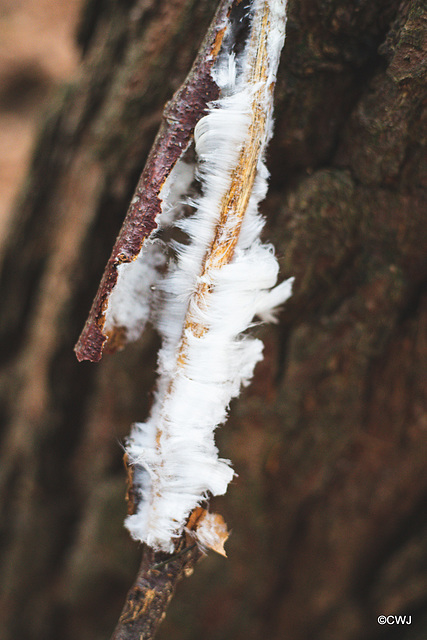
(222, 279)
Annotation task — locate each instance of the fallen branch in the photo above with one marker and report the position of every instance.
(223, 277)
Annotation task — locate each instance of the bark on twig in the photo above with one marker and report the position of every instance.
(147, 600)
(180, 116)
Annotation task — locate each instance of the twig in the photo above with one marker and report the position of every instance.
(147, 600)
(175, 555)
(172, 460)
(180, 117)
(223, 277)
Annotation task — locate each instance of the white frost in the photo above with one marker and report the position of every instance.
(174, 453)
(131, 300)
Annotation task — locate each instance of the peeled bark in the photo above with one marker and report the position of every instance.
(328, 511)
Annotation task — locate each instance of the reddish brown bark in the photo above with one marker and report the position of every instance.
(180, 116)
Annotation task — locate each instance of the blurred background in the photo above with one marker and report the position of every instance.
(328, 512)
(38, 51)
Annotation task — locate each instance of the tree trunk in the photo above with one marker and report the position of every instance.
(330, 441)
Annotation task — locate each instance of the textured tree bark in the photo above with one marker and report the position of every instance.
(328, 512)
